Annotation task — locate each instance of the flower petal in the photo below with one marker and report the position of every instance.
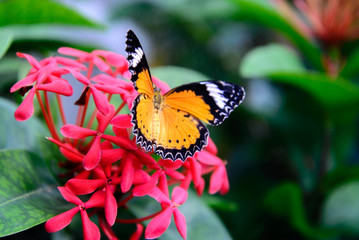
(27, 81)
(127, 173)
(196, 170)
(217, 179)
(60, 221)
(122, 121)
(101, 64)
(175, 175)
(101, 101)
(60, 87)
(69, 196)
(33, 62)
(167, 163)
(208, 158)
(179, 195)
(142, 190)
(211, 147)
(93, 156)
(110, 156)
(159, 196)
(84, 186)
(26, 108)
(180, 222)
(96, 200)
(146, 159)
(140, 177)
(72, 52)
(90, 229)
(120, 141)
(110, 206)
(74, 155)
(70, 63)
(76, 132)
(159, 224)
(225, 186)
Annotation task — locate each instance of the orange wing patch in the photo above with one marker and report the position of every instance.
(191, 103)
(180, 135)
(143, 82)
(142, 120)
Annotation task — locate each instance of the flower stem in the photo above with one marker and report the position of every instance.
(49, 114)
(61, 109)
(130, 221)
(44, 112)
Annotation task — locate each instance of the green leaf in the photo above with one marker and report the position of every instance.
(339, 176)
(335, 94)
(176, 76)
(5, 42)
(28, 194)
(259, 13)
(272, 58)
(286, 201)
(22, 12)
(341, 209)
(202, 222)
(352, 65)
(19, 135)
(29, 135)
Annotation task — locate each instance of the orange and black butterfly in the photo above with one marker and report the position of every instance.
(172, 125)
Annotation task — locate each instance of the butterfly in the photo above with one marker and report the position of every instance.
(172, 124)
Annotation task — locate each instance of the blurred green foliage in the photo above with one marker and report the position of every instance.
(291, 147)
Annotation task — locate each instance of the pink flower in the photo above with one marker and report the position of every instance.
(90, 230)
(102, 181)
(161, 222)
(100, 99)
(45, 76)
(104, 60)
(93, 156)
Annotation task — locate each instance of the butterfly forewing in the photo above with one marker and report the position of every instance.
(138, 67)
(142, 120)
(210, 101)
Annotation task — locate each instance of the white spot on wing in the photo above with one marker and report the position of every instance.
(137, 56)
(216, 94)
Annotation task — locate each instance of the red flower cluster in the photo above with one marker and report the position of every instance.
(106, 164)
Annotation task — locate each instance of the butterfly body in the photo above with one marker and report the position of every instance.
(171, 124)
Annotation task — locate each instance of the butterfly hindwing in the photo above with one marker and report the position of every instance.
(181, 134)
(138, 67)
(210, 101)
(171, 133)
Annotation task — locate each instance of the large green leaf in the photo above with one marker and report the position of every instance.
(272, 58)
(5, 42)
(351, 66)
(334, 94)
(260, 13)
(279, 64)
(202, 222)
(29, 135)
(341, 209)
(20, 12)
(28, 194)
(286, 201)
(176, 76)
